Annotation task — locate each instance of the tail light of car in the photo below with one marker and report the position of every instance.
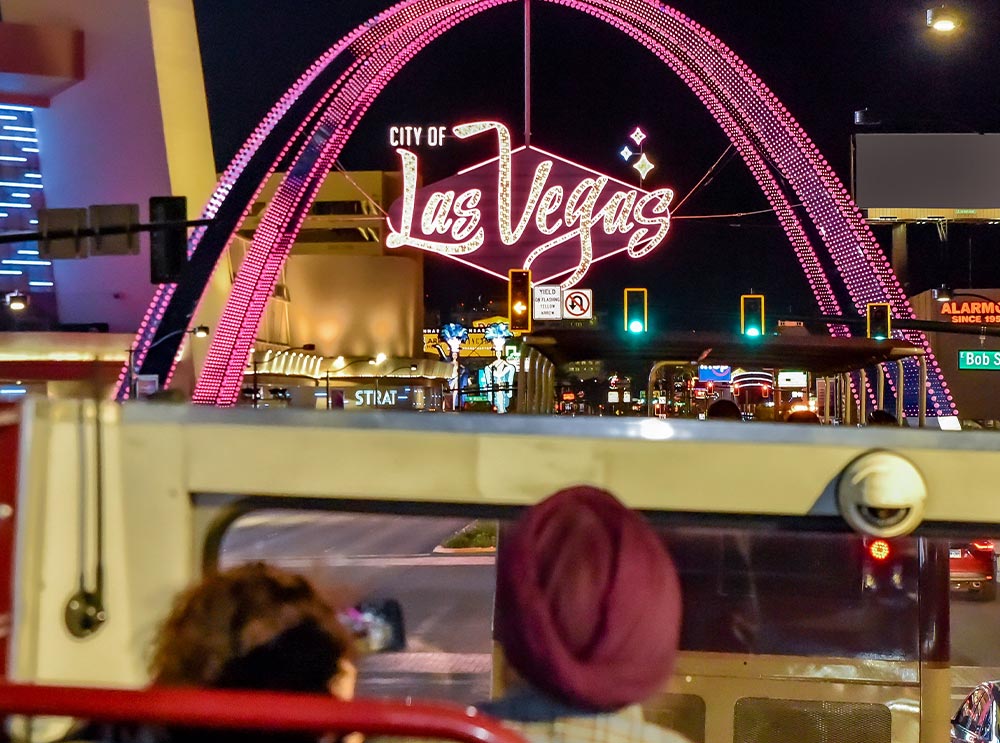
(984, 545)
(879, 549)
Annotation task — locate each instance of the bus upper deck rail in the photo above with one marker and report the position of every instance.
(215, 708)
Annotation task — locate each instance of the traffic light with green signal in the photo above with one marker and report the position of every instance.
(879, 320)
(752, 315)
(636, 310)
(519, 299)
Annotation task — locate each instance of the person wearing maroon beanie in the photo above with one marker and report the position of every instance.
(588, 615)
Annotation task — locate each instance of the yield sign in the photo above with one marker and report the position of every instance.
(578, 304)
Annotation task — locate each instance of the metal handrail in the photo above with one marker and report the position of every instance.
(214, 708)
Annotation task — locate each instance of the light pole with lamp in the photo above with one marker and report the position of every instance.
(945, 293)
(256, 364)
(374, 361)
(199, 331)
(378, 377)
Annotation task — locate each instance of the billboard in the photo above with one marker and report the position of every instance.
(793, 380)
(715, 373)
(927, 171)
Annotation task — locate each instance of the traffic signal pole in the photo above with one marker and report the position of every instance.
(23, 237)
(898, 323)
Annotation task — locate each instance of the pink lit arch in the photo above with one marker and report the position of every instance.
(321, 111)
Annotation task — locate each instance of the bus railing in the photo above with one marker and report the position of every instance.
(213, 708)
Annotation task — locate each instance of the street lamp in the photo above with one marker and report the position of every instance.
(378, 377)
(16, 301)
(340, 360)
(942, 19)
(944, 293)
(256, 364)
(198, 331)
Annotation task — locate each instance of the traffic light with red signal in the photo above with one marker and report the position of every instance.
(636, 310)
(879, 320)
(519, 299)
(752, 315)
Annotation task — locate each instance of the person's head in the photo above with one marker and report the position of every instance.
(252, 627)
(880, 417)
(588, 601)
(802, 416)
(724, 409)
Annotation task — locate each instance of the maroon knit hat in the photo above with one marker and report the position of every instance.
(589, 605)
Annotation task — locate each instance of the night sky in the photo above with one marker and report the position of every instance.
(592, 85)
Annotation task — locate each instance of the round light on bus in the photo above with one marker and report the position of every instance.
(635, 326)
(879, 549)
(753, 332)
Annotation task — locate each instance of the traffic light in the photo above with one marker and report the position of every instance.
(636, 310)
(167, 245)
(752, 315)
(879, 320)
(519, 299)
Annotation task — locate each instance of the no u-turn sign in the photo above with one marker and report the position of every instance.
(578, 304)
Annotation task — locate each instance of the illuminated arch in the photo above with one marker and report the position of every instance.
(320, 112)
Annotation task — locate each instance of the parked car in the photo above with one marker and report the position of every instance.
(972, 569)
(976, 719)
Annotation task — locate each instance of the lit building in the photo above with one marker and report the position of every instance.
(345, 318)
(130, 121)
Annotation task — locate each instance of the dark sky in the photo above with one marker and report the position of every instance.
(592, 85)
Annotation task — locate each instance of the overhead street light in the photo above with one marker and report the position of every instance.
(942, 19)
(198, 331)
(944, 293)
(16, 301)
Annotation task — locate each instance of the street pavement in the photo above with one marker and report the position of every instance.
(447, 598)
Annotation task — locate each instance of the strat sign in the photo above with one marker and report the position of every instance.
(527, 208)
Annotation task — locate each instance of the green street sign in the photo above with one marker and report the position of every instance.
(979, 360)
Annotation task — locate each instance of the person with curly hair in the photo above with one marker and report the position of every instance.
(253, 627)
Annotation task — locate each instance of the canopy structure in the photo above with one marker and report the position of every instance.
(821, 355)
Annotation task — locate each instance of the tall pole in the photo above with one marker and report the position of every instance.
(131, 373)
(256, 387)
(527, 72)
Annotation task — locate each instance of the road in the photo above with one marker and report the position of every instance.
(447, 599)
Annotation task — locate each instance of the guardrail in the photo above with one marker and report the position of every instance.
(214, 708)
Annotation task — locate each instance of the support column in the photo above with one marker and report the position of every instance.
(863, 398)
(900, 254)
(522, 381)
(550, 386)
(922, 393)
(881, 387)
(900, 391)
(826, 400)
(535, 375)
(846, 397)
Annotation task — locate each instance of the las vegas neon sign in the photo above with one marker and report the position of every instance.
(525, 212)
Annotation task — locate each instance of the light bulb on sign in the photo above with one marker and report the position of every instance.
(643, 165)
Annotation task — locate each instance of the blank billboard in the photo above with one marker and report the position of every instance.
(927, 171)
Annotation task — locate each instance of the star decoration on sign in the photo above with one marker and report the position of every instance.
(626, 153)
(643, 165)
(637, 136)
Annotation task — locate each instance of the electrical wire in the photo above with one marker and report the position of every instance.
(343, 171)
(730, 216)
(703, 178)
